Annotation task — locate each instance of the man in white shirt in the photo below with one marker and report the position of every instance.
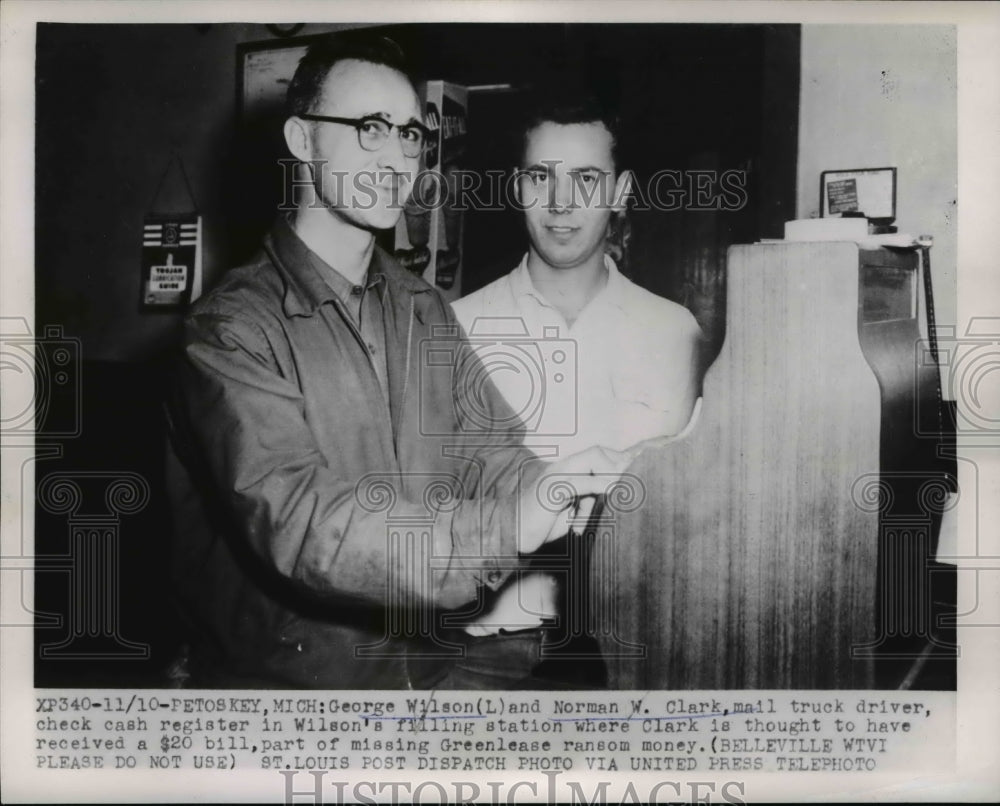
(584, 355)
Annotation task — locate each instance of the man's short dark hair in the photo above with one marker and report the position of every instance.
(307, 83)
(567, 105)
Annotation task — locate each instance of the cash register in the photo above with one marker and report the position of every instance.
(788, 540)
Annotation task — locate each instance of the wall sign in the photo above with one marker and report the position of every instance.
(170, 271)
(171, 247)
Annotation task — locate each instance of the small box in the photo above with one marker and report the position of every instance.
(826, 229)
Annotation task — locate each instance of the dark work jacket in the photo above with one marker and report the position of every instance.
(321, 532)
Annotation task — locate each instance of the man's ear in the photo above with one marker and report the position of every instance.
(298, 139)
(623, 189)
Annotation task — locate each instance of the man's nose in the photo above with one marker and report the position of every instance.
(561, 195)
(390, 156)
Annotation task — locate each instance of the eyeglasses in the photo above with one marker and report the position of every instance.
(373, 132)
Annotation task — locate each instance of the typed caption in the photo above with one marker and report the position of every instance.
(419, 733)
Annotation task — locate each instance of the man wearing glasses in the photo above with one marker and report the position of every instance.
(329, 498)
(635, 374)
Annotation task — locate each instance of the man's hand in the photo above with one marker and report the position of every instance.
(548, 506)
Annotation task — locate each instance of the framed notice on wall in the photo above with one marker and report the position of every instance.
(861, 192)
(265, 73)
(264, 70)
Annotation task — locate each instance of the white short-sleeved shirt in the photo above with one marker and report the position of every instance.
(623, 372)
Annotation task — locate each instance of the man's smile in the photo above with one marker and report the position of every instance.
(561, 229)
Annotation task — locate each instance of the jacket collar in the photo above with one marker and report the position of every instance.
(401, 284)
(305, 288)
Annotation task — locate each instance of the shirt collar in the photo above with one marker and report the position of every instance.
(342, 287)
(305, 286)
(611, 294)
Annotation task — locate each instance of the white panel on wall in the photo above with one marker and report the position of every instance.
(885, 95)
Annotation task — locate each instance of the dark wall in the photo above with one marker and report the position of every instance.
(112, 101)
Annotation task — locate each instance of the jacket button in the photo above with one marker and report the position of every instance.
(493, 576)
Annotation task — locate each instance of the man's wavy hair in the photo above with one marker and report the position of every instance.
(306, 86)
(565, 103)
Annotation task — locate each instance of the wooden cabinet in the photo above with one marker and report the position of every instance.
(753, 559)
